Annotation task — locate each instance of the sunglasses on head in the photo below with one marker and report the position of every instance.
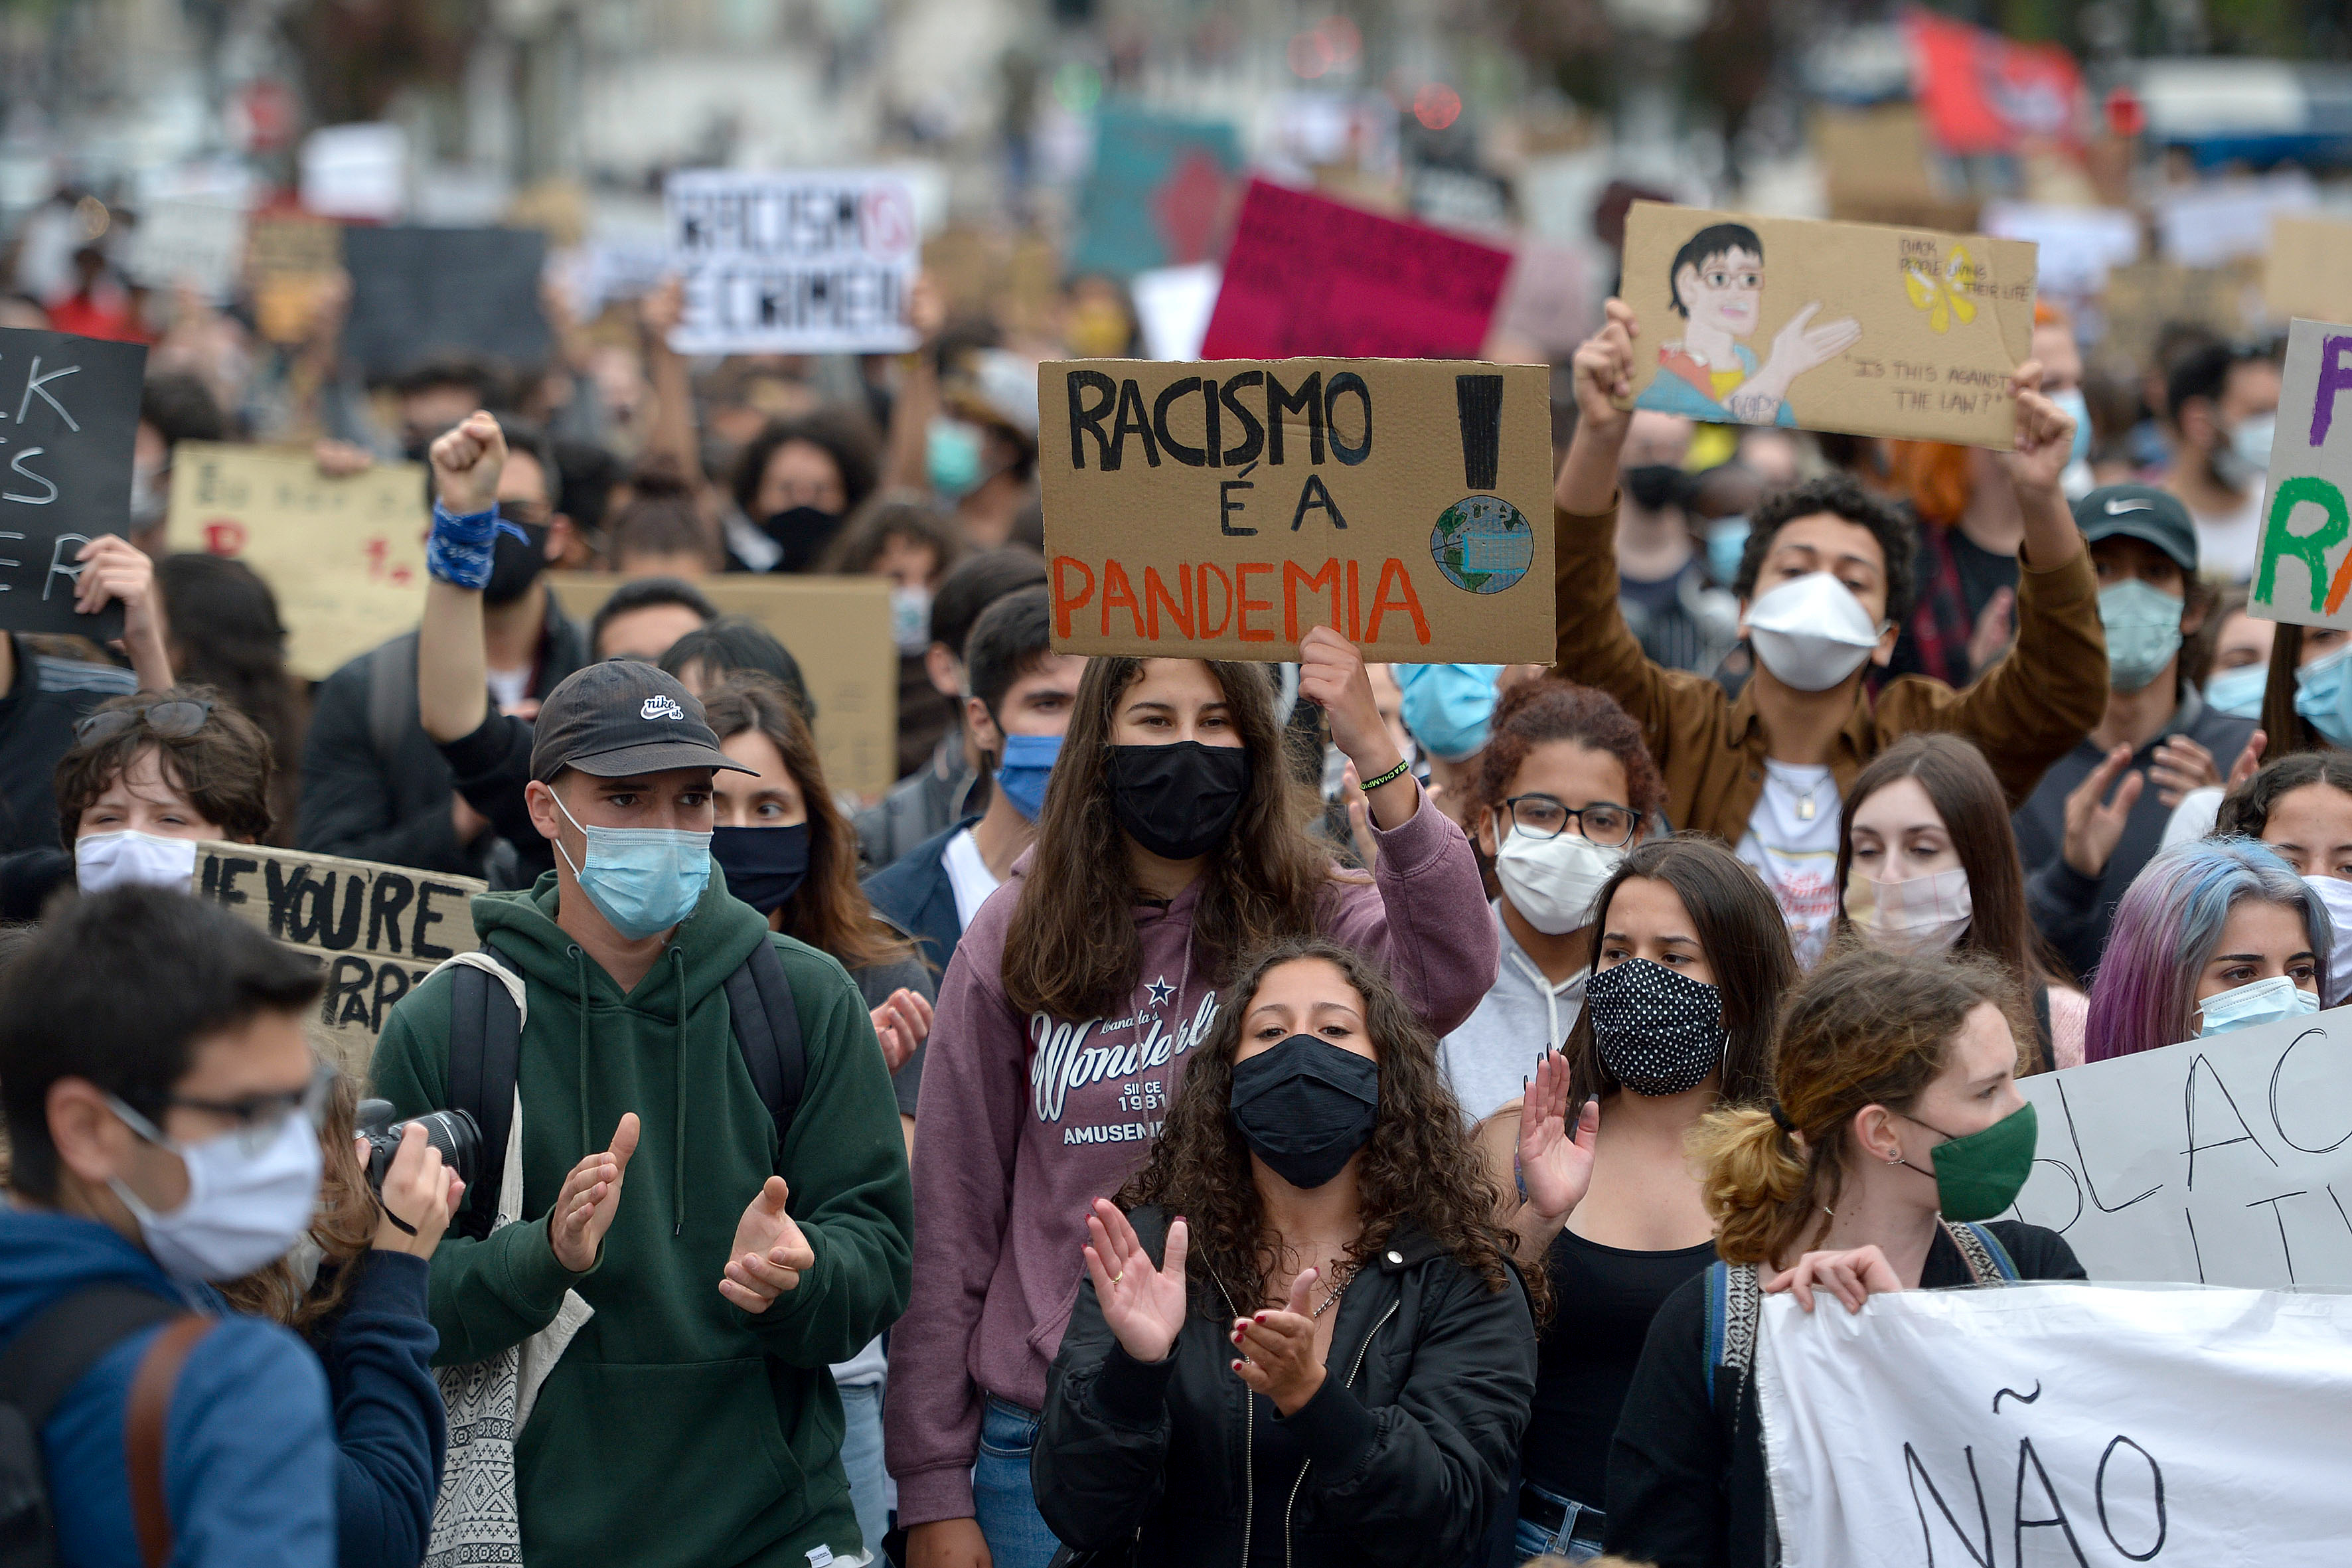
(173, 721)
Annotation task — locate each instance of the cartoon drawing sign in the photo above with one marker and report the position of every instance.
(1828, 326)
(1219, 509)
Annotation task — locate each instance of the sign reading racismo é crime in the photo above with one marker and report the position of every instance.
(1218, 510)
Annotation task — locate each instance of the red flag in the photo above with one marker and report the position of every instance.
(1980, 94)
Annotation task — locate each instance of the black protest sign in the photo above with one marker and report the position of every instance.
(420, 294)
(69, 415)
(378, 930)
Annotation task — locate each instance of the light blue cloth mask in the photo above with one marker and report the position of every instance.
(1448, 706)
(2250, 1006)
(2323, 697)
(2143, 626)
(2239, 692)
(1727, 541)
(1027, 768)
(640, 880)
(951, 456)
(2070, 402)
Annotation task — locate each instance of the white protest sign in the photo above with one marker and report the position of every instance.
(2303, 564)
(802, 261)
(2073, 1425)
(2079, 245)
(2217, 1162)
(198, 243)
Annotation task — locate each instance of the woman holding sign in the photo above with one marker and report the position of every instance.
(1896, 1128)
(1170, 841)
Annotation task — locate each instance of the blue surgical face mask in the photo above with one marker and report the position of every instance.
(2070, 402)
(2238, 691)
(643, 880)
(2143, 626)
(951, 456)
(2250, 1006)
(1447, 706)
(1028, 765)
(2323, 696)
(1727, 541)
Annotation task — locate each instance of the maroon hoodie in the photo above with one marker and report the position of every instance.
(1025, 1122)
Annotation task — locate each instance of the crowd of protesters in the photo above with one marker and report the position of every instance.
(1204, 1112)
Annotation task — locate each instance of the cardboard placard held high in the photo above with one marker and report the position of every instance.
(1218, 510)
(2303, 565)
(1828, 326)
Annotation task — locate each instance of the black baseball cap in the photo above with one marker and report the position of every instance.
(623, 717)
(2143, 512)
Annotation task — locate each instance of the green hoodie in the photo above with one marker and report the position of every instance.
(676, 1428)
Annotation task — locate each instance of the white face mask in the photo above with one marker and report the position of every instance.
(1912, 915)
(1811, 632)
(127, 858)
(1554, 881)
(2337, 894)
(246, 1207)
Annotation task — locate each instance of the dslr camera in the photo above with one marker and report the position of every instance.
(454, 1132)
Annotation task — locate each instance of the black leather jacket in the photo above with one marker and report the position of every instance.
(1410, 1442)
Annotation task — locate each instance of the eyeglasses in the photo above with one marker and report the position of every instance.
(1540, 817)
(173, 721)
(257, 1117)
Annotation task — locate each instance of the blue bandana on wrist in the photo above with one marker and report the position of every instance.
(459, 549)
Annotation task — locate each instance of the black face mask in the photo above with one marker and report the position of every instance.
(515, 564)
(1306, 1107)
(1655, 486)
(802, 532)
(1179, 800)
(764, 866)
(1658, 1032)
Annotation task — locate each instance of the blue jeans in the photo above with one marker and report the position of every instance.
(1578, 1539)
(1002, 1498)
(871, 1490)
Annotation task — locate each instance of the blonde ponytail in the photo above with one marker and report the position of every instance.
(1753, 1177)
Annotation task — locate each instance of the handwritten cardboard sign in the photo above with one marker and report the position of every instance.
(837, 628)
(2215, 1162)
(2302, 566)
(1828, 326)
(1307, 275)
(344, 556)
(69, 415)
(802, 261)
(378, 930)
(1219, 509)
(2057, 1423)
(2144, 298)
(2304, 273)
(293, 260)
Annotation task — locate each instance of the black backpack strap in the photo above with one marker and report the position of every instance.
(2046, 1037)
(768, 1031)
(64, 1340)
(485, 1048)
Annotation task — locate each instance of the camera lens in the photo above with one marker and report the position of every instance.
(454, 1132)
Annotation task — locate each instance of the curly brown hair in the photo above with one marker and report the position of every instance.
(1419, 1166)
(342, 1228)
(1546, 708)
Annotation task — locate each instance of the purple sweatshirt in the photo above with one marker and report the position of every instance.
(1025, 1122)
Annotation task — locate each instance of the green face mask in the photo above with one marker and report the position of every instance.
(1979, 1175)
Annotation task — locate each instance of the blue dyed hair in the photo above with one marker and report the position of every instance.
(2166, 930)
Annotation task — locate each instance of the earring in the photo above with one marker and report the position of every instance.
(1895, 1158)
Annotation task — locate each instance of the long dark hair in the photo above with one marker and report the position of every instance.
(1417, 1167)
(2289, 732)
(226, 633)
(1960, 784)
(1073, 950)
(828, 911)
(1745, 938)
(2248, 810)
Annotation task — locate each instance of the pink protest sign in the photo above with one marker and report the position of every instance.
(1307, 275)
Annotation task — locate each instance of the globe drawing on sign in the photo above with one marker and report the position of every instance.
(1483, 544)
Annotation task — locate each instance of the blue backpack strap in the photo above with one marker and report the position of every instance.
(1718, 1294)
(767, 1025)
(2003, 1267)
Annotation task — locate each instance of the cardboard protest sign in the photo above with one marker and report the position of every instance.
(344, 556)
(197, 244)
(1157, 193)
(2304, 274)
(2210, 224)
(2146, 296)
(70, 410)
(1307, 275)
(1864, 330)
(1217, 511)
(378, 930)
(2057, 1424)
(837, 628)
(420, 293)
(293, 259)
(2215, 1162)
(802, 261)
(2303, 564)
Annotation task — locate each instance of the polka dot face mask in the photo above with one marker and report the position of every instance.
(1659, 1032)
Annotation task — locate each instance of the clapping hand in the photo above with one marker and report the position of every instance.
(1555, 1165)
(899, 1025)
(1278, 1356)
(2094, 829)
(1144, 1306)
(769, 1254)
(590, 1196)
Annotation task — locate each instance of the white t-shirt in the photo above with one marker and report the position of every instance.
(969, 875)
(2227, 541)
(1793, 842)
(510, 686)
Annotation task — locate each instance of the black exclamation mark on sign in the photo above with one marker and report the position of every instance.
(1478, 400)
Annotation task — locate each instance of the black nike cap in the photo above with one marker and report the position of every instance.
(2142, 512)
(623, 717)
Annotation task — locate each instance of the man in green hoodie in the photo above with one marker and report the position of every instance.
(691, 1420)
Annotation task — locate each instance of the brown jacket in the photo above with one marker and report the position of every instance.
(2025, 712)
